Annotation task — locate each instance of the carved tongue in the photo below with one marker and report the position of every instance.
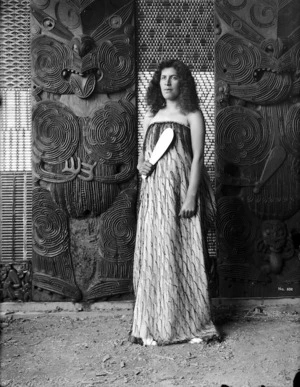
(83, 87)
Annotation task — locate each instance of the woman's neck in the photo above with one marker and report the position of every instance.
(171, 112)
(172, 105)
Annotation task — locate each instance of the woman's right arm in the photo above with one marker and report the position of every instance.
(144, 167)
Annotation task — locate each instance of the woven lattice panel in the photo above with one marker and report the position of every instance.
(176, 28)
(15, 43)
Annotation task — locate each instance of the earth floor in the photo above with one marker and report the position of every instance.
(261, 347)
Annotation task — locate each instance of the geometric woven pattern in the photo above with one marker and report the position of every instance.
(178, 28)
(15, 43)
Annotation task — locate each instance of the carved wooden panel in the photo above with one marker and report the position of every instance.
(257, 54)
(84, 148)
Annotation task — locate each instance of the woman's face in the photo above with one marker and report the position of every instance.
(169, 83)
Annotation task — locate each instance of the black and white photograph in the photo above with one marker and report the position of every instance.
(150, 193)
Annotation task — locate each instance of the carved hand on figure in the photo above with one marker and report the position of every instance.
(276, 158)
(83, 170)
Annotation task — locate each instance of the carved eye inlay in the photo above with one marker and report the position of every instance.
(115, 21)
(49, 23)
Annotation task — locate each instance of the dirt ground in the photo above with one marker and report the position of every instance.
(261, 347)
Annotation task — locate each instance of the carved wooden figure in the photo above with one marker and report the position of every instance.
(84, 148)
(258, 146)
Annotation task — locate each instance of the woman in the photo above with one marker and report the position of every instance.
(170, 283)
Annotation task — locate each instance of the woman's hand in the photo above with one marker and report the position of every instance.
(145, 168)
(188, 208)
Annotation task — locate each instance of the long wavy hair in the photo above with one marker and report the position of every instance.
(188, 99)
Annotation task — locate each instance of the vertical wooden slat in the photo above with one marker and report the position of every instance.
(15, 216)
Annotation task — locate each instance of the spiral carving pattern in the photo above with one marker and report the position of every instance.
(115, 59)
(263, 15)
(270, 89)
(110, 135)
(48, 58)
(50, 225)
(235, 60)
(67, 15)
(234, 226)
(242, 136)
(290, 134)
(118, 226)
(55, 132)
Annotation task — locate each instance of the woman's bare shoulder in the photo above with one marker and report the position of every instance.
(147, 119)
(196, 121)
(195, 115)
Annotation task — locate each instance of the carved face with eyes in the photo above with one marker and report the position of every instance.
(82, 47)
(169, 84)
(274, 234)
